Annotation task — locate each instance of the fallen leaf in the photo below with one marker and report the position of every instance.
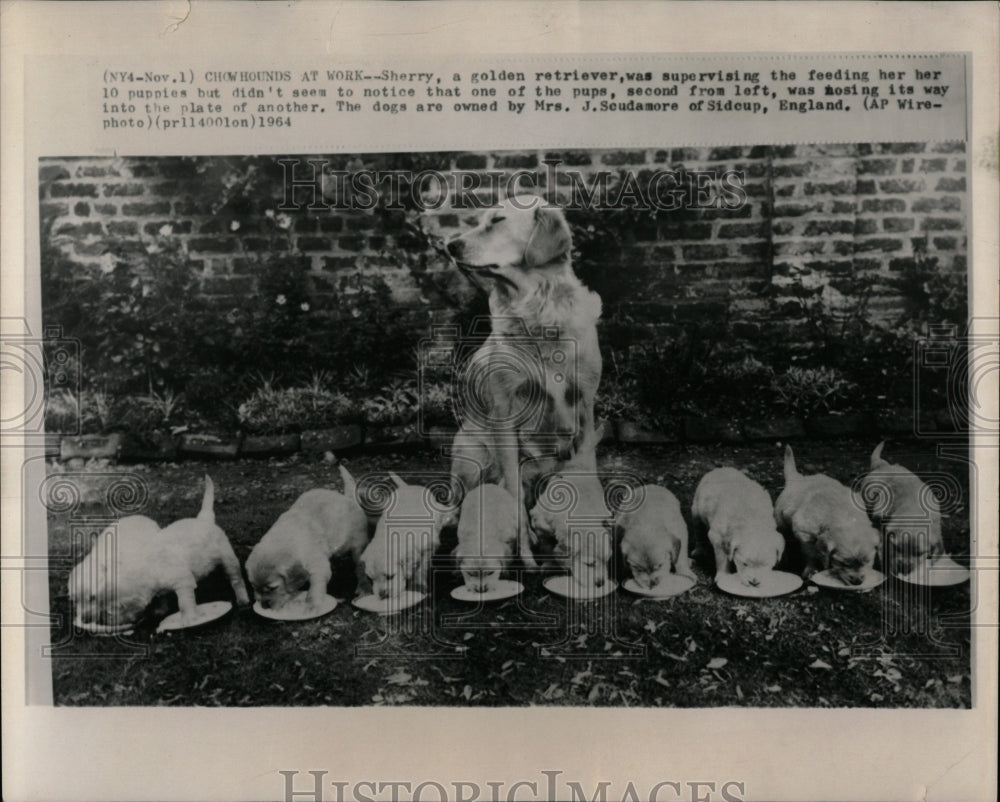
(819, 664)
(659, 680)
(773, 688)
(716, 662)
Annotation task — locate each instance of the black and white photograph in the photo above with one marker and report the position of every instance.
(499, 401)
(593, 427)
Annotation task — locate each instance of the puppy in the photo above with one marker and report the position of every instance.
(487, 535)
(409, 530)
(172, 560)
(531, 385)
(92, 580)
(654, 537)
(911, 521)
(738, 516)
(571, 510)
(295, 552)
(825, 518)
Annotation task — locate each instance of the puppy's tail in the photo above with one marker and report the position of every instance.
(207, 512)
(877, 461)
(350, 486)
(791, 472)
(396, 480)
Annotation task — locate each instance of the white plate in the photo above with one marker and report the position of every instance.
(296, 609)
(942, 572)
(773, 583)
(561, 586)
(104, 630)
(673, 585)
(826, 580)
(204, 614)
(505, 589)
(373, 604)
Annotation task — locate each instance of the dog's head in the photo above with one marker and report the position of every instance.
(907, 546)
(480, 572)
(276, 579)
(851, 554)
(650, 562)
(394, 556)
(513, 241)
(102, 587)
(590, 549)
(753, 557)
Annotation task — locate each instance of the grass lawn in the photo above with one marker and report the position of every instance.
(814, 648)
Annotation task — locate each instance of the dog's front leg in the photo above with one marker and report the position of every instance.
(232, 568)
(186, 602)
(319, 578)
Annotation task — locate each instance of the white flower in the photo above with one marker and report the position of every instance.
(269, 214)
(152, 248)
(304, 307)
(234, 226)
(166, 230)
(284, 221)
(280, 300)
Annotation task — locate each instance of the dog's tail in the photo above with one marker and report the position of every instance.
(396, 480)
(207, 512)
(350, 486)
(877, 461)
(791, 472)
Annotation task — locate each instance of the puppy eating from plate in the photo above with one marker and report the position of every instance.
(654, 543)
(294, 555)
(487, 537)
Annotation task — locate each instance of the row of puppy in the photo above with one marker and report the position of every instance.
(135, 563)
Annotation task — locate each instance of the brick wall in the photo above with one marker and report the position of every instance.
(824, 219)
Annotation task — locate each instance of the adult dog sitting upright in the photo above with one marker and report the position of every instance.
(531, 385)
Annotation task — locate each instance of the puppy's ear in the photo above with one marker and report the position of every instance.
(550, 238)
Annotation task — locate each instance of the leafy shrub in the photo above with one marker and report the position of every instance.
(270, 410)
(809, 390)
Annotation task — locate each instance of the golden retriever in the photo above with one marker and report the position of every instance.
(654, 537)
(398, 558)
(911, 520)
(487, 535)
(572, 511)
(295, 552)
(534, 380)
(150, 562)
(829, 522)
(738, 516)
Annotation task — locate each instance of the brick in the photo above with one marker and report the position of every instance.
(782, 228)
(959, 166)
(951, 185)
(906, 166)
(339, 262)
(902, 185)
(515, 160)
(933, 165)
(569, 158)
(829, 188)
(725, 154)
(876, 166)
(106, 209)
(123, 190)
(88, 229)
(618, 158)
(351, 243)
(816, 228)
(796, 209)
(799, 247)
(898, 224)
(68, 190)
(843, 247)
(146, 209)
(52, 172)
(785, 151)
(844, 207)
(790, 170)
(696, 252)
(179, 227)
(945, 243)
(81, 209)
(212, 245)
(879, 244)
(885, 205)
(738, 230)
(949, 147)
(166, 188)
(331, 225)
(832, 266)
(945, 204)
(49, 209)
(903, 147)
(941, 224)
(865, 187)
(755, 250)
(685, 155)
(687, 230)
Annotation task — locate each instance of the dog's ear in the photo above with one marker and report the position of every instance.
(550, 238)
